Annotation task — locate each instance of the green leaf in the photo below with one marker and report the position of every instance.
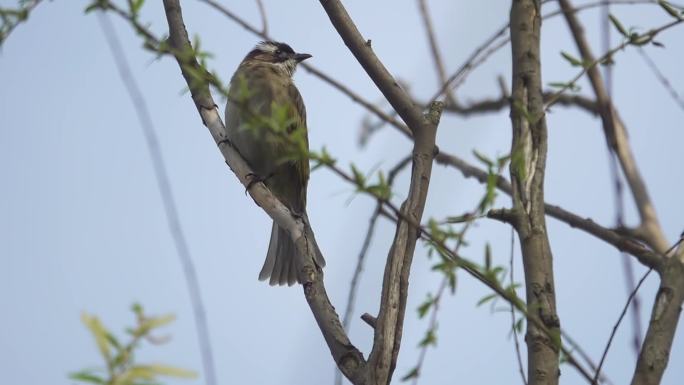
(575, 62)
(486, 299)
(429, 339)
(99, 333)
(425, 306)
(136, 5)
(482, 158)
(88, 377)
(359, 178)
(488, 256)
(95, 5)
(518, 162)
(168, 371)
(674, 12)
(155, 322)
(640, 40)
(451, 276)
(618, 25)
(520, 324)
(413, 373)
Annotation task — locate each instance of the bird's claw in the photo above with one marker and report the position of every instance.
(252, 179)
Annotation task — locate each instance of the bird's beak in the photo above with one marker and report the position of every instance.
(299, 57)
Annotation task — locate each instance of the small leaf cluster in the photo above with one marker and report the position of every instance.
(121, 367)
(380, 189)
(494, 169)
(10, 17)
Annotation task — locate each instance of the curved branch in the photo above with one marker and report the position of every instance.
(348, 358)
(616, 132)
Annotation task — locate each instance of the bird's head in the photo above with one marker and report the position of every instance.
(277, 54)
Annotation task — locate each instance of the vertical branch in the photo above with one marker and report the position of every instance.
(655, 351)
(528, 159)
(389, 325)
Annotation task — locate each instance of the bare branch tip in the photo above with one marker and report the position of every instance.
(369, 319)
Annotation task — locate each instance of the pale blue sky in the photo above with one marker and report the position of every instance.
(82, 226)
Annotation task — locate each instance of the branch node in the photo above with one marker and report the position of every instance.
(434, 112)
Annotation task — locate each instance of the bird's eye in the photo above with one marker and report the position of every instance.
(278, 52)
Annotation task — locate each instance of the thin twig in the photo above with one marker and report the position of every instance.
(513, 326)
(434, 49)
(613, 127)
(353, 285)
(618, 188)
(617, 324)
(396, 215)
(264, 20)
(166, 193)
(494, 285)
(488, 47)
(432, 327)
(624, 310)
(662, 78)
(316, 72)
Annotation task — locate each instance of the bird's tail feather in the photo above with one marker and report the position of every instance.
(280, 265)
(280, 259)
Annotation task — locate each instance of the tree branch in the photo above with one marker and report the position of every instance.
(623, 243)
(504, 101)
(318, 73)
(388, 330)
(528, 161)
(616, 135)
(362, 50)
(434, 48)
(667, 307)
(348, 358)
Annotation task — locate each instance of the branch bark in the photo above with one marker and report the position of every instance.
(616, 136)
(349, 358)
(528, 159)
(389, 325)
(623, 243)
(655, 351)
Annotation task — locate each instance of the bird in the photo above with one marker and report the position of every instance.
(266, 123)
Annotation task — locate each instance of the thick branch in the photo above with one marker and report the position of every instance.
(528, 160)
(616, 135)
(348, 358)
(388, 330)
